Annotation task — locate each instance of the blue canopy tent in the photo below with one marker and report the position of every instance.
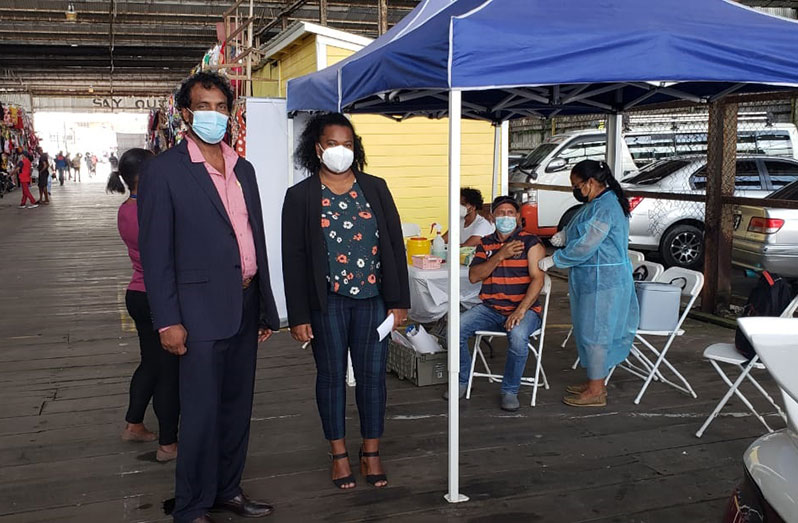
(500, 59)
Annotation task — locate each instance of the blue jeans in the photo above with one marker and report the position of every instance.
(349, 326)
(484, 318)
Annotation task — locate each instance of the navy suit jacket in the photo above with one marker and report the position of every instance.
(189, 252)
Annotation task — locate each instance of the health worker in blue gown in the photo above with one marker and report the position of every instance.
(604, 308)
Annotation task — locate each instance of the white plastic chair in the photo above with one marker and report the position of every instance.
(537, 351)
(654, 271)
(694, 282)
(411, 229)
(727, 353)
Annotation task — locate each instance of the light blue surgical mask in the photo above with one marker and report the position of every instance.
(506, 224)
(209, 126)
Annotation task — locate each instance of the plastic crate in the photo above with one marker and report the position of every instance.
(420, 369)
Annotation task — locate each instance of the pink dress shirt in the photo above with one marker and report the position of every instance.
(127, 221)
(232, 197)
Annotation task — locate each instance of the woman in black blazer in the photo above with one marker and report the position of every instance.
(345, 271)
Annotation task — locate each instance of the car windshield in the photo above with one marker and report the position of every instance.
(788, 192)
(534, 158)
(654, 173)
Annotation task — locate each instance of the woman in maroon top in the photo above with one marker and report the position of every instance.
(156, 377)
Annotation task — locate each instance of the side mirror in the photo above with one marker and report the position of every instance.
(557, 164)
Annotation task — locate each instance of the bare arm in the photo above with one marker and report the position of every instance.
(534, 255)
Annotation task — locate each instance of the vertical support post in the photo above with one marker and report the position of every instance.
(497, 159)
(455, 115)
(250, 30)
(323, 12)
(614, 155)
(382, 16)
(721, 167)
(505, 165)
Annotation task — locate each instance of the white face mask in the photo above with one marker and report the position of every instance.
(463, 211)
(338, 159)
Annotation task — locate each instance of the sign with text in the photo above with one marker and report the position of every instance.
(97, 103)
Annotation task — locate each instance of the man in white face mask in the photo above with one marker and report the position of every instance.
(203, 251)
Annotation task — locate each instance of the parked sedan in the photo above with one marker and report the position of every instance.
(676, 229)
(768, 238)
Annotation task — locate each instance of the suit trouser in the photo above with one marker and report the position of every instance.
(217, 380)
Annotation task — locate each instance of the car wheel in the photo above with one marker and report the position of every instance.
(683, 246)
(566, 218)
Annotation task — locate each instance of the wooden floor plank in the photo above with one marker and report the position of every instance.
(67, 350)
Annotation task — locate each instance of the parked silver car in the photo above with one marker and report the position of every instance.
(676, 229)
(768, 238)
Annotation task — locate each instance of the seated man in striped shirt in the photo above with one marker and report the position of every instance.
(506, 262)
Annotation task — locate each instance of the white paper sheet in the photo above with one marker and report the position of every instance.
(386, 327)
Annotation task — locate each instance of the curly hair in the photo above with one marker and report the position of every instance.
(208, 81)
(472, 196)
(305, 155)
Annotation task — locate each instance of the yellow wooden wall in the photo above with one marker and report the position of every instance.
(297, 60)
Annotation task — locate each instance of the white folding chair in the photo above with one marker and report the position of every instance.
(411, 229)
(636, 257)
(537, 351)
(694, 282)
(727, 353)
(653, 271)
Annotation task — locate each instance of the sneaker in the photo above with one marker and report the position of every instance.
(33, 206)
(23, 206)
(510, 402)
(460, 395)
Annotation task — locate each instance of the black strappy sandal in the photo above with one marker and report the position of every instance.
(372, 479)
(340, 482)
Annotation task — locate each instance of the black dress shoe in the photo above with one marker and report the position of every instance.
(245, 507)
(202, 519)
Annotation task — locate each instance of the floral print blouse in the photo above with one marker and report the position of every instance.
(350, 230)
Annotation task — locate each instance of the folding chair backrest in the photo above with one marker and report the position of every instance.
(411, 229)
(693, 281)
(636, 257)
(653, 270)
(789, 312)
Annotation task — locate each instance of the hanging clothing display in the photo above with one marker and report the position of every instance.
(238, 128)
(165, 127)
(16, 129)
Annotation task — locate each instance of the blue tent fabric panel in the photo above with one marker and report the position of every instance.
(704, 47)
(529, 42)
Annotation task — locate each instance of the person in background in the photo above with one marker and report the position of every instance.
(473, 226)
(60, 166)
(44, 176)
(113, 160)
(156, 377)
(604, 308)
(345, 271)
(203, 250)
(76, 166)
(23, 171)
(506, 263)
(68, 159)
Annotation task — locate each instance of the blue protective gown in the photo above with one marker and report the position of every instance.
(604, 308)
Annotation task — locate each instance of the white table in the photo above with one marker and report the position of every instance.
(429, 292)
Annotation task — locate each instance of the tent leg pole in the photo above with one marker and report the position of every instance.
(614, 155)
(497, 159)
(455, 112)
(505, 158)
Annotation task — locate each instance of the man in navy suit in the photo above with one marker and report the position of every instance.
(203, 251)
